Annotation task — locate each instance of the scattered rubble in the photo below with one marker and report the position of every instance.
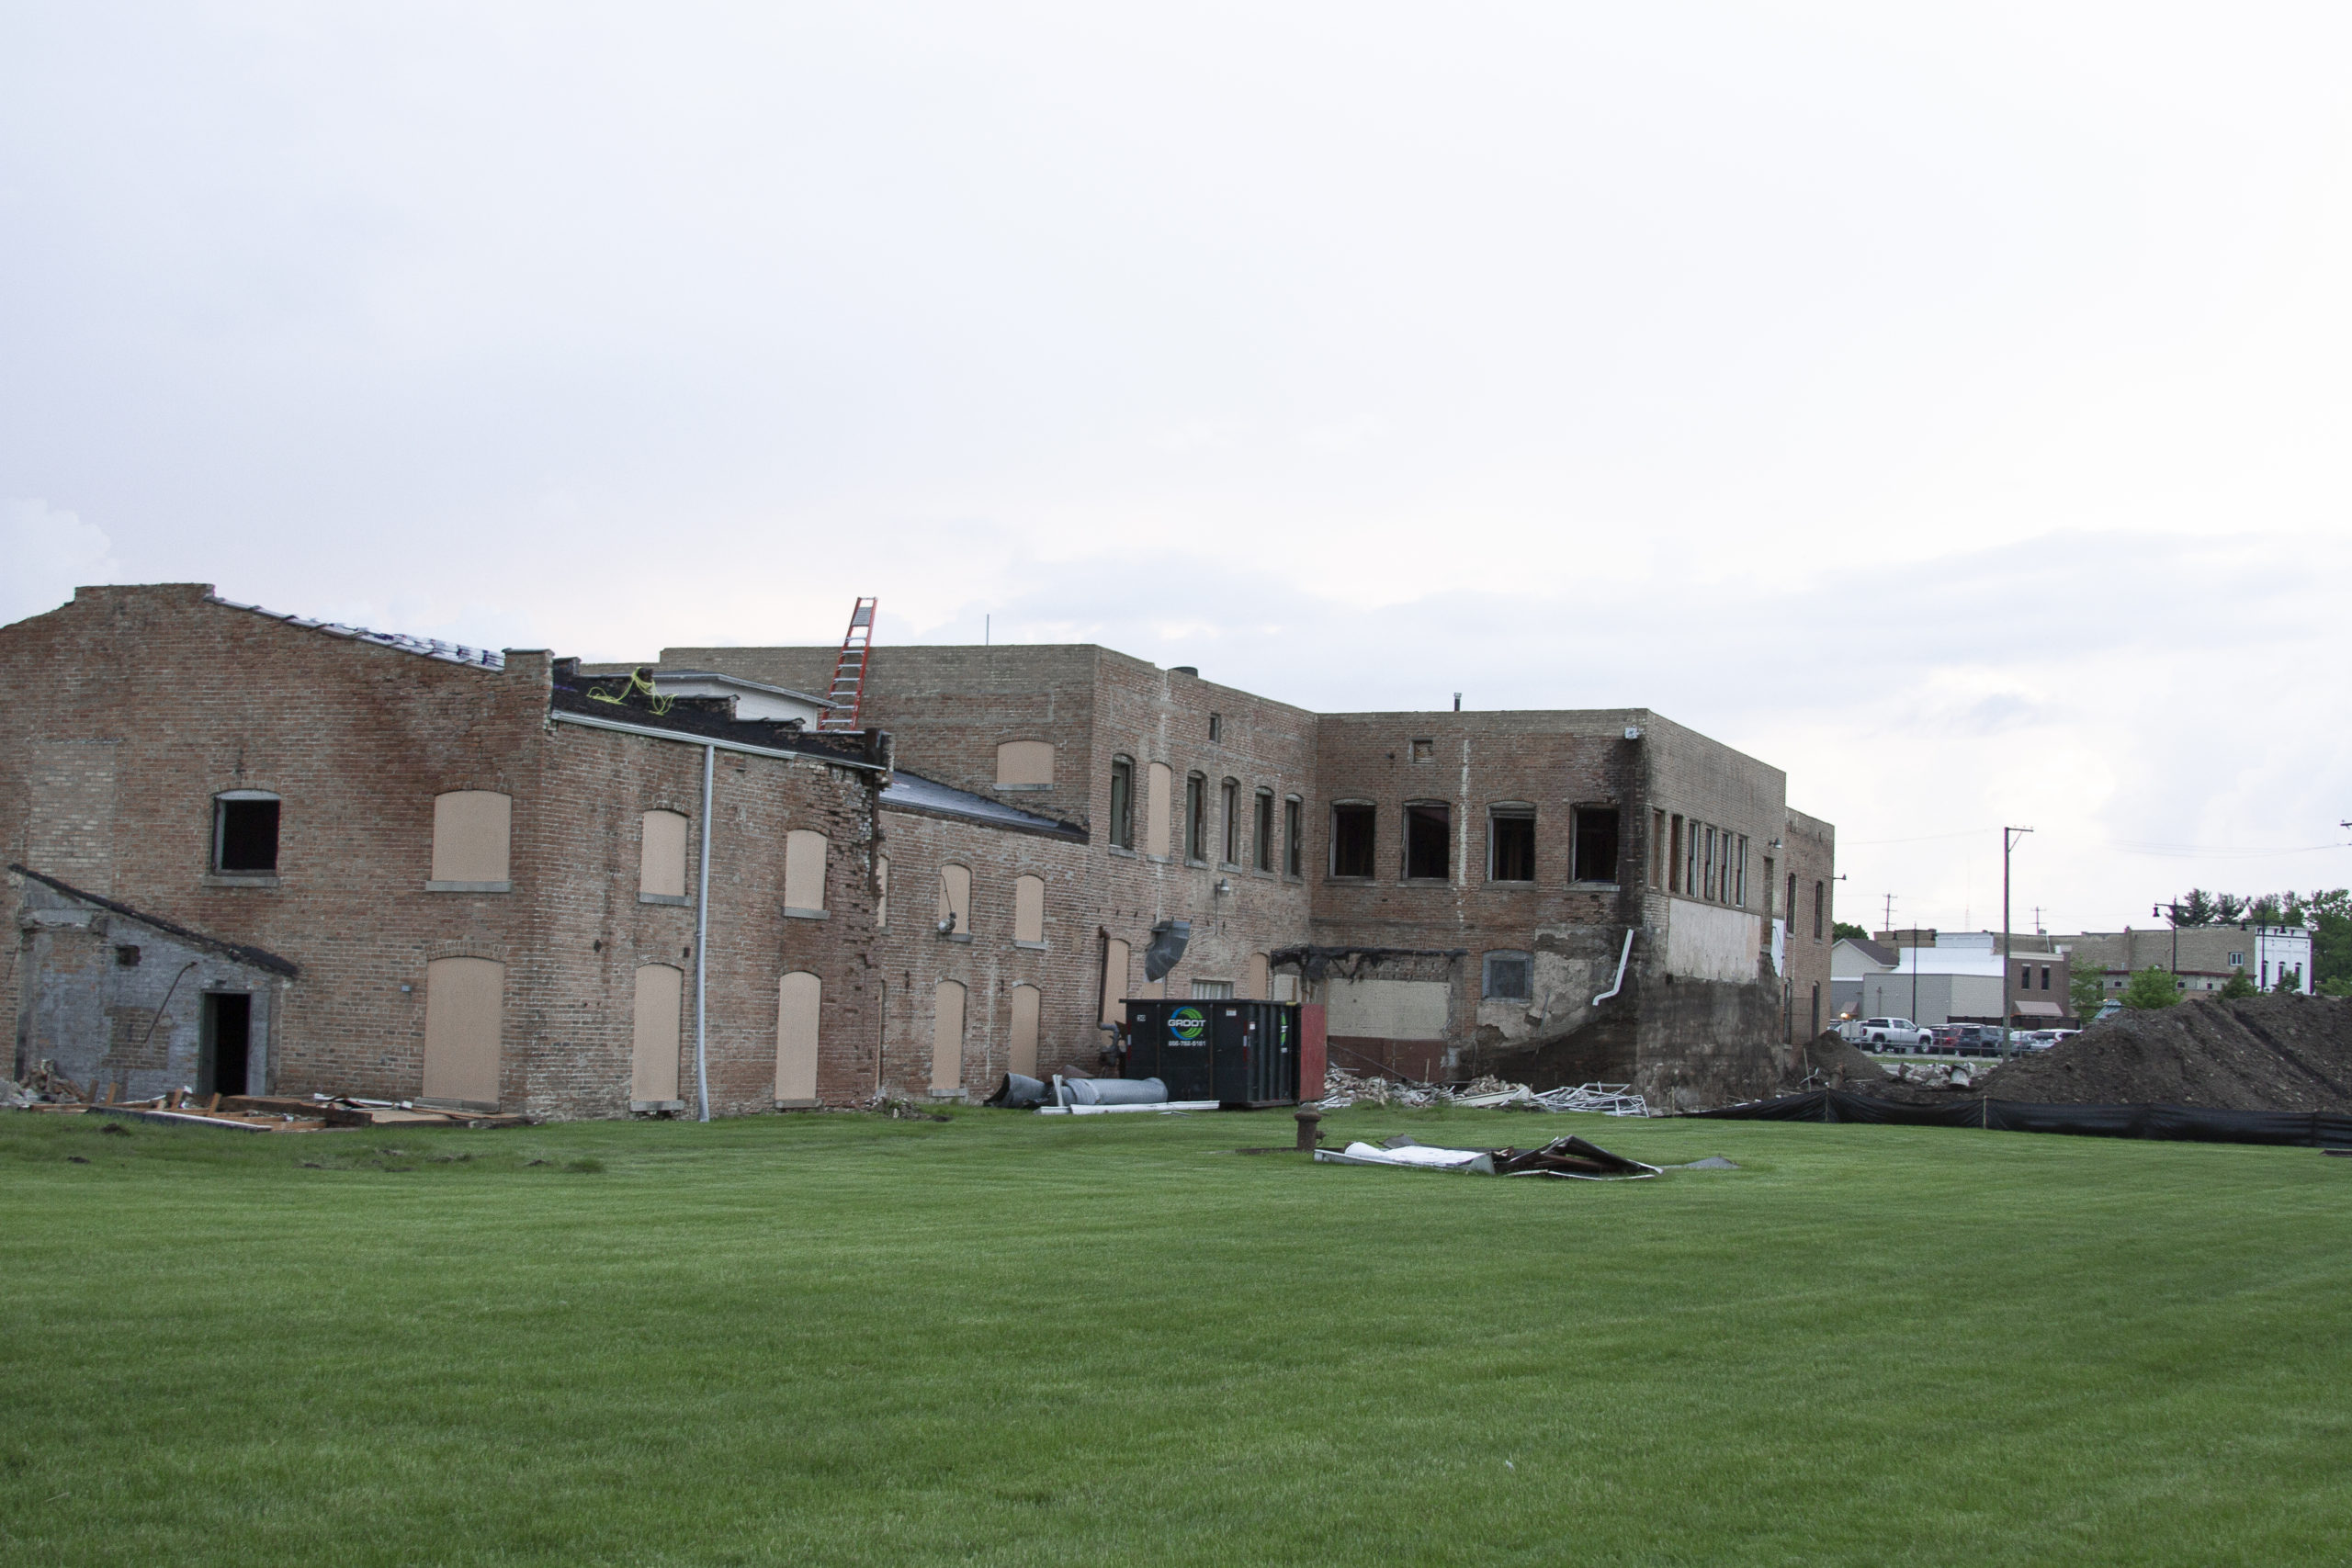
(59, 1096)
(1342, 1088)
(2271, 1053)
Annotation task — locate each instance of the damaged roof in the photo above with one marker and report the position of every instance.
(928, 797)
(622, 699)
(243, 953)
(427, 647)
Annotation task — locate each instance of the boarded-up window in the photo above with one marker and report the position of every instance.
(470, 836)
(1114, 980)
(1029, 909)
(796, 999)
(1259, 980)
(804, 870)
(1155, 809)
(1026, 763)
(662, 855)
(955, 899)
(947, 1038)
(653, 1057)
(1023, 1056)
(881, 890)
(462, 998)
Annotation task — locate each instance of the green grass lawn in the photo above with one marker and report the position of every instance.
(1010, 1338)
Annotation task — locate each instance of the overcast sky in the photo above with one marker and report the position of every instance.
(1949, 405)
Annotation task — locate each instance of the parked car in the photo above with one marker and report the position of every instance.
(1978, 1040)
(1887, 1034)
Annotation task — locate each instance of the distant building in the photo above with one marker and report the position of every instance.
(2204, 959)
(1942, 977)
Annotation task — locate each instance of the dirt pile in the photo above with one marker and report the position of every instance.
(1829, 1055)
(2263, 1054)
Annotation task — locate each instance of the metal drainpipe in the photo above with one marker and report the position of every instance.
(702, 944)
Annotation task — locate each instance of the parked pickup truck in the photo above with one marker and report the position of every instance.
(1885, 1034)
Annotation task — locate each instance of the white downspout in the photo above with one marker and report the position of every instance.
(702, 945)
(1619, 983)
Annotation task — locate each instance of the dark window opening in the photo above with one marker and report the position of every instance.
(225, 1044)
(1511, 831)
(127, 956)
(1216, 727)
(1674, 860)
(1196, 817)
(1793, 901)
(1351, 839)
(1429, 842)
(1709, 884)
(1820, 901)
(1264, 859)
(1596, 844)
(1229, 798)
(1292, 856)
(1657, 848)
(1123, 804)
(1510, 977)
(245, 835)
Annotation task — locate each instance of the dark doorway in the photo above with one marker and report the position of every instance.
(227, 1044)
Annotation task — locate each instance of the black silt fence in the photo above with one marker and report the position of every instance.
(2194, 1124)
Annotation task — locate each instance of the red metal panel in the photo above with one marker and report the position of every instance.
(1310, 1052)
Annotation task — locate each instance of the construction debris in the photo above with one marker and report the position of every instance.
(1570, 1158)
(244, 1112)
(1343, 1089)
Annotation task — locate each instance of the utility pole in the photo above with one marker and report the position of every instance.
(1889, 927)
(2172, 913)
(2009, 836)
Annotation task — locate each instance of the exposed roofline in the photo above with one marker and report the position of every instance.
(738, 680)
(243, 953)
(691, 737)
(425, 647)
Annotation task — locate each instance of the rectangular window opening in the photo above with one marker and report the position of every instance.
(1429, 842)
(1510, 832)
(245, 835)
(1293, 811)
(1262, 851)
(1510, 977)
(1351, 838)
(1196, 812)
(1595, 845)
(1230, 801)
(1123, 804)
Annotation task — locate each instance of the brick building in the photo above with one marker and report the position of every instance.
(356, 862)
(410, 870)
(1456, 889)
